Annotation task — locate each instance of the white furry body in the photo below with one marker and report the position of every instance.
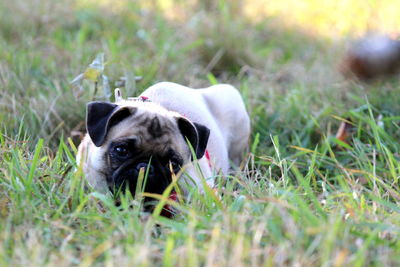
(219, 107)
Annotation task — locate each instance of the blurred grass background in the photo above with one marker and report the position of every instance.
(305, 198)
(271, 46)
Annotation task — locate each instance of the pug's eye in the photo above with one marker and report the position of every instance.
(175, 164)
(121, 150)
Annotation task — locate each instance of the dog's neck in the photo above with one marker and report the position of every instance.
(139, 98)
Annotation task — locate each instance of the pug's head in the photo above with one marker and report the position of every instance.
(130, 136)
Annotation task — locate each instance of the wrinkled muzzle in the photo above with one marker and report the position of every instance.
(156, 177)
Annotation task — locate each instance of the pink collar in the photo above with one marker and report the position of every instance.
(207, 155)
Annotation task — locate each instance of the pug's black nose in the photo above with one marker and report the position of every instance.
(145, 166)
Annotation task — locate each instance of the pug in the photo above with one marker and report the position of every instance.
(168, 130)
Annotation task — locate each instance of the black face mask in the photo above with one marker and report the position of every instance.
(126, 176)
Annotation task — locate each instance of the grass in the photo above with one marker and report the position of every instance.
(305, 198)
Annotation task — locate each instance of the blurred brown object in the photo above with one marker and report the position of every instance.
(371, 57)
(78, 133)
(345, 131)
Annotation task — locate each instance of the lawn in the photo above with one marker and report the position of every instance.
(304, 197)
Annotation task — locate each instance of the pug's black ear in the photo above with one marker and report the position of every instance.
(100, 116)
(197, 135)
(204, 134)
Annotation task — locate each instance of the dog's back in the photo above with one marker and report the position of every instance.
(227, 107)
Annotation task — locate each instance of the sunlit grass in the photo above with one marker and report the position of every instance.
(330, 18)
(327, 18)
